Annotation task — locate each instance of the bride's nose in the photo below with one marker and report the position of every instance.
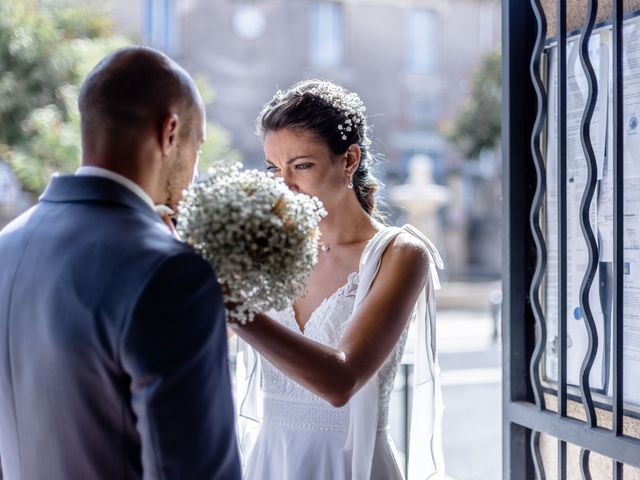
(288, 181)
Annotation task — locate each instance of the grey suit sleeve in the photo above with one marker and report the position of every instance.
(175, 351)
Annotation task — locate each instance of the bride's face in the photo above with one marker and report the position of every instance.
(306, 165)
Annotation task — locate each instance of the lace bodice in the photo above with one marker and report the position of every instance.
(288, 402)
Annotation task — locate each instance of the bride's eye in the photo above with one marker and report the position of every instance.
(272, 168)
(303, 166)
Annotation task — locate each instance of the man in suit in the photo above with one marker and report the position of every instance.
(113, 357)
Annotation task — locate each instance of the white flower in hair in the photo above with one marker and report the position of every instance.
(260, 237)
(348, 103)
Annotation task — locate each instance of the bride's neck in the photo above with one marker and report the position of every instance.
(347, 225)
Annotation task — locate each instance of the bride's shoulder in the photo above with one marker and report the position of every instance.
(406, 251)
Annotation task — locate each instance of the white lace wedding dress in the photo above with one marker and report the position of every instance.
(300, 435)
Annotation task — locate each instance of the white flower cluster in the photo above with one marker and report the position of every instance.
(260, 237)
(348, 103)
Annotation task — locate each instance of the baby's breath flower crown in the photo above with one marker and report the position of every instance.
(347, 103)
(260, 237)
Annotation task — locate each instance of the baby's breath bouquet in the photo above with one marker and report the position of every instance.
(260, 237)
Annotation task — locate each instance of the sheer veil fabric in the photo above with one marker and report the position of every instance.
(426, 459)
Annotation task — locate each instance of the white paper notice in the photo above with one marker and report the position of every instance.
(601, 212)
(631, 336)
(631, 307)
(577, 253)
(551, 224)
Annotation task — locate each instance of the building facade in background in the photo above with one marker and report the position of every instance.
(409, 60)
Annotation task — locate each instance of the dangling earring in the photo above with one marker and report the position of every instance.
(350, 184)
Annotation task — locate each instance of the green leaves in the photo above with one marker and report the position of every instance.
(54, 144)
(476, 125)
(46, 49)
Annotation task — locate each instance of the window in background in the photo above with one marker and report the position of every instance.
(421, 41)
(326, 35)
(423, 111)
(160, 25)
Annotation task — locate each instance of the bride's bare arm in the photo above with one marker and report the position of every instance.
(335, 374)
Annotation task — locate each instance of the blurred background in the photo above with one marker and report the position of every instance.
(428, 72)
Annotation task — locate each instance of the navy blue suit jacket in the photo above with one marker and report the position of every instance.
(113, 353)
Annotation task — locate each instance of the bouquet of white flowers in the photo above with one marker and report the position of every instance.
(260, 237)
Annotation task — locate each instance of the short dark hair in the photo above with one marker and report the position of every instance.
(134, 88)
(300, 107)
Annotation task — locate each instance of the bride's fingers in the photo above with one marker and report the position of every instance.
(167, 220)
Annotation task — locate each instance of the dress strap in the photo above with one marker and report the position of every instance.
(426, 418)
(363, 406)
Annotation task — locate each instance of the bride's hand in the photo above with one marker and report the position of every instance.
(229, 306)
(169, 223)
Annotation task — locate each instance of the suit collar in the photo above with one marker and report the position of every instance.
(93, 171)
(71, 188)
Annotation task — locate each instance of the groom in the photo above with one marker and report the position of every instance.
(113, 358)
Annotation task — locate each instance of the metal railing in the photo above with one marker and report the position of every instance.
(539, 409)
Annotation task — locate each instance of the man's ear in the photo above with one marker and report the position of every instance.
(170, 130)
(352, 159)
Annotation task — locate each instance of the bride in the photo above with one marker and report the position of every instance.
(314, 399)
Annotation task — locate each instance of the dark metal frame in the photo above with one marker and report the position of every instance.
(525, 260)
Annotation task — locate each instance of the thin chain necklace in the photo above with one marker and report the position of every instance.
(325, 247)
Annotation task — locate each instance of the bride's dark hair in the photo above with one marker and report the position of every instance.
(333, 115)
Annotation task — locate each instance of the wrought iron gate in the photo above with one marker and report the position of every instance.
(571, 397)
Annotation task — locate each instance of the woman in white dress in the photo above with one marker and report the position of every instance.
(314, 400)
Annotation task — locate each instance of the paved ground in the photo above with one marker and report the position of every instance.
(471, 377)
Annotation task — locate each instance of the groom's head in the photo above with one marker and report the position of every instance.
(142, 116)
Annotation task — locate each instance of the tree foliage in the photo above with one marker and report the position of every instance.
(46, 50)
(476, 125)
(217, 148)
